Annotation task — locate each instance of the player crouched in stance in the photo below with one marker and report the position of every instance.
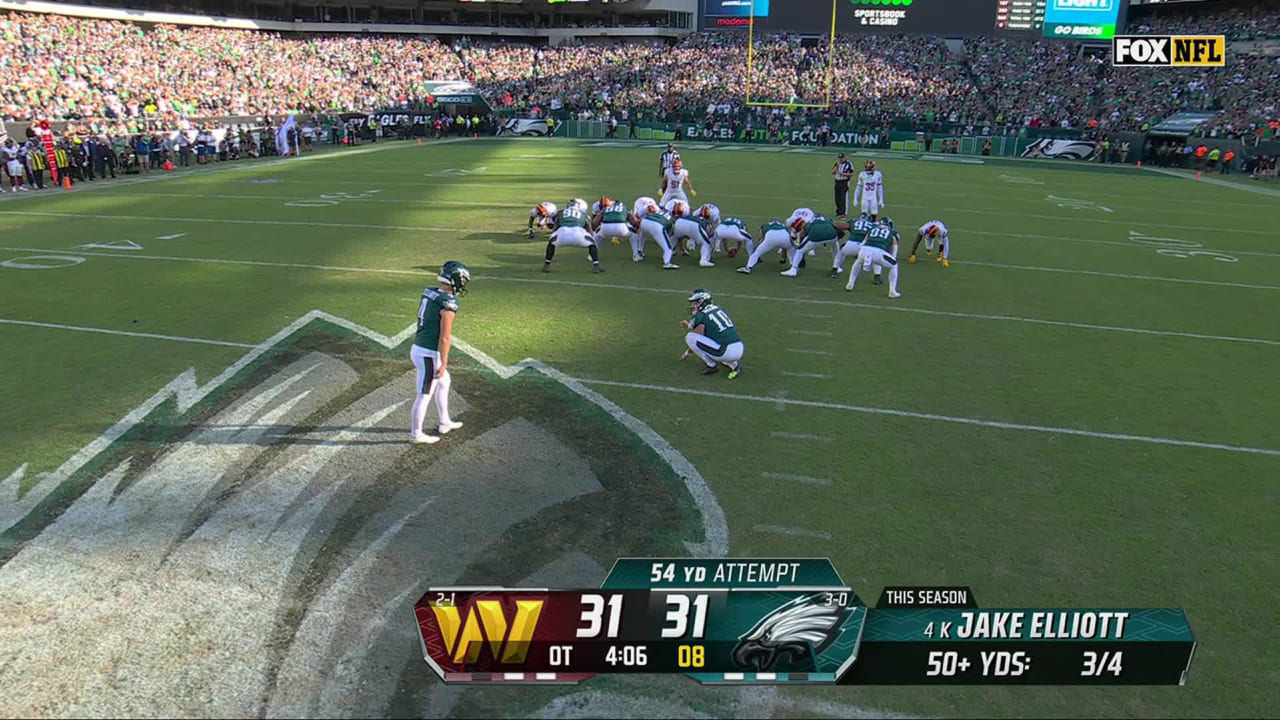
(614, 222)
(731, 233)
(819, 231)
(573, 228)
(858, 230)
(430, 351)
(542, 216)
(931, 232)
(879, 248)
(774, 236)
(712, 336)
(699, 228)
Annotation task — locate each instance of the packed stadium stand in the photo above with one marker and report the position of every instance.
(122, 77)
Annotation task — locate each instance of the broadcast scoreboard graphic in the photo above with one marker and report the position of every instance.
(1064, 19)
(786, 621)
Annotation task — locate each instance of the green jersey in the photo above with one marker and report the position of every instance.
(859, 229)
(718, 326)
(881, 236)
(821, 229)
(573, 217)
(662, 217)
(774, 225)
(434, 302)
(734, 222)
(615, 214)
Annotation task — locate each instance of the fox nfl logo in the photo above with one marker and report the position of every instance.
(1169, 50)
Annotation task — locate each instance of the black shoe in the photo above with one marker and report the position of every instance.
(596, 268)
(546, 266)
(835, 273)
(711, 369)
(801, 262)
(879, 280)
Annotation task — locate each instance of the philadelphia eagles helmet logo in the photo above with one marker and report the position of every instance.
(801, 629)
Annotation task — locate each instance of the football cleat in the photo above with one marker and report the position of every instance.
(711, 370)
(636, 258)
(848, 288)
(879, 280)
(744, 270)
(596, 268)
(736, 371)
(546, 266)
(946, 263)
(789, 272)
(911, 260)
(835, 273)
(446, 428)
(706, 264)
(894, 294)
(424, 439)
(670, 266)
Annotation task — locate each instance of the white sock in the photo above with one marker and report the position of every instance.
(946, 250)
(928, 244)
(893, 279)
(441, 392)
(853, 274)
(420, 404)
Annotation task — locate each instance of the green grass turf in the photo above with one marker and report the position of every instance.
(1026, 518)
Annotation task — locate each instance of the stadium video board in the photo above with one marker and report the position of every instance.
(1069, 19)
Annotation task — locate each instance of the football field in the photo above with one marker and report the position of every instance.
(1080, 411)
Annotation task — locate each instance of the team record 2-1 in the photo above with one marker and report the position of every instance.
(793, 621)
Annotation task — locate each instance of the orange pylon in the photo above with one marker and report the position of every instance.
(66, 181)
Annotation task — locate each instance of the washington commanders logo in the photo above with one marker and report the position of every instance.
(466, 633)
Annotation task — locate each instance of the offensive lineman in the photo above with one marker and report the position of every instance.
(712, 336)
(880, 249)
(614, 222)
(674, 181)
(658, 224)
(700, 228)
(819, 231)
(543, 215)
(430, 351)
(858, 230)
(774, 236)
(930, 232)
(734, 230)
(870, 192)
(573, 228)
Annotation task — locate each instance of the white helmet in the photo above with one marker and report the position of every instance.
(579, 203)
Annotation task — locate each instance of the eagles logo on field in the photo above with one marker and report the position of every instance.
(252, 544)
(798, 631)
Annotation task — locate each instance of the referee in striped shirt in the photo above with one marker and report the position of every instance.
(669, 158)
(842, 171)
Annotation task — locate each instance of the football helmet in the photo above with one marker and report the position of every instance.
(579, 203)
(456, 275)
(887, 221)
(864, 216)
(871, 165)
(699, 299)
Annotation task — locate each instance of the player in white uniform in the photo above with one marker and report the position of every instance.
(674, 181)
(641, 208)
(774, 236)
(798, 220)
(573, 229)
(614, 222)
(543, 215)
(711, 214)
(931, 232)
(870, 193)
(13, 166)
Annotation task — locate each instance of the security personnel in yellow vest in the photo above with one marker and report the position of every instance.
(63, 159)
(36, 164)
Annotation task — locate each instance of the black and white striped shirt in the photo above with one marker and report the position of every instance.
(669, 158)
(844, 170)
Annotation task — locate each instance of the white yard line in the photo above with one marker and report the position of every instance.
(815, 376)
(801, 351)
(1125, 276)
(1259, 189)
(668, 291)
(804, 479)
(792, 531)
(125, 333)
(798, 436)
(1123, 437)
(781, 399)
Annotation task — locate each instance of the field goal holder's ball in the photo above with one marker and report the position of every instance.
(831, 46)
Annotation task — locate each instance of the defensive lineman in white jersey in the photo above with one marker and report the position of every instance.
(870, 193)
(542, 216)
(931, 232)
(674, 181)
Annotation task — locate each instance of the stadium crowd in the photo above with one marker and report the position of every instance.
(122, 78)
